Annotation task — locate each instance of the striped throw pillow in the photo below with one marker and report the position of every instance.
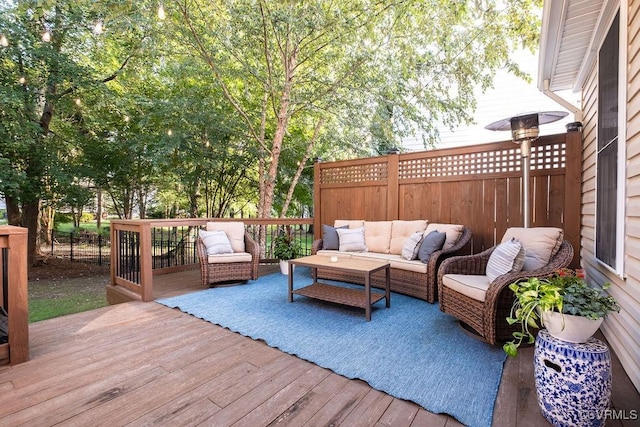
(216, 242)
(352, 239)
(508, 257)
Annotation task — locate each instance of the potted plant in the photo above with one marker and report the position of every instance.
(564, 304)
(285, 248)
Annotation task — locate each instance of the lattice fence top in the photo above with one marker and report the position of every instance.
(350, 174)
(508, 160)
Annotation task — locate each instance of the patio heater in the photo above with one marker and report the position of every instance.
(524, 130)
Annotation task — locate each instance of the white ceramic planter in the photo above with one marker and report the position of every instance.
(567, 327)
(284, 267)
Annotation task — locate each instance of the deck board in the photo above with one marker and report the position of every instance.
(146, 364)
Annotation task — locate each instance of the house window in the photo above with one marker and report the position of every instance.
(607, 191)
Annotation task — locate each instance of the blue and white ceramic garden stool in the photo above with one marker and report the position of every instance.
(573, 381)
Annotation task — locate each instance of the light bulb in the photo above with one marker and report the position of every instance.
(3, 41)
(78, 101)
(97, 29)
(169, 132)
(22, 80)
(161, 14)
(46, 36)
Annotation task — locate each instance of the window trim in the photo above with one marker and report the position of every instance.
(619, 268)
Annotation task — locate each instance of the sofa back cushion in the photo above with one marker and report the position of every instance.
(377, 236)
(350, 223)
(540, 244)
(453, 232)
(401, 230)
(234, 231)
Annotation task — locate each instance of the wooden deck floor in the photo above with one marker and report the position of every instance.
(145, 364)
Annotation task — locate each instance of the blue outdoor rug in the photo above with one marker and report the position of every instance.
(411, 351)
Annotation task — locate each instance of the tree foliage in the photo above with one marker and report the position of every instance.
(222, 106)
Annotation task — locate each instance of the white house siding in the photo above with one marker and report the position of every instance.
(621, 330)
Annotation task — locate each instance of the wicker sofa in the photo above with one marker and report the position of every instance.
(385, 240)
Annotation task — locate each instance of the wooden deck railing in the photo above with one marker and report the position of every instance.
(14, 295)
(141, 249)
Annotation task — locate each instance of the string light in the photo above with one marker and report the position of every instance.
(169, 132)
(161, 14)
(126, 119)
(3, 41)
(22, 80)
(97, 29)
(46, 36)
(78, 102)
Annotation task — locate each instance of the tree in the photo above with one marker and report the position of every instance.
(46, 71)
(341, 67)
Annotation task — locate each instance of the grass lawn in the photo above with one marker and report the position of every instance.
(59, 287)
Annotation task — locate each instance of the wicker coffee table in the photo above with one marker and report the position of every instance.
(362, 298)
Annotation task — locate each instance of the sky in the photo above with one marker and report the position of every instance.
(500, 103)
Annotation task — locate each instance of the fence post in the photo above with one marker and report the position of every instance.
(99, 249)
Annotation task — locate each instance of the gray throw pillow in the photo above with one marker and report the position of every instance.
(507, 257)
(432, 242)
(330, 237)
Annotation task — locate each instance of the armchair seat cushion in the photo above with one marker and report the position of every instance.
(226, 258)
(473, 286)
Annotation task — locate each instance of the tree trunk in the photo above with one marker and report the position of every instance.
(13, 211)
(30, 219)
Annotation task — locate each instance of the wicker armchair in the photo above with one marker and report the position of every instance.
(488, 318)
(219, 268)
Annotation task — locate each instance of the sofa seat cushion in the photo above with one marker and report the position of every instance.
(225, 258)
(401, 230)
(330, 252)
(400, 263)
(372, 255)
(473, 286)
(453, 232)
(540, 244)
(233, 229)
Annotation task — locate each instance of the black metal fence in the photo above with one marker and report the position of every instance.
(171, 246)
(82, 246)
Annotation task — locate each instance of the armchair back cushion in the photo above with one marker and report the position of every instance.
(234, 231)
(540, 244)
(401, 230)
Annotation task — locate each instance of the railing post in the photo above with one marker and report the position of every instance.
(13, 240)
(146, 267)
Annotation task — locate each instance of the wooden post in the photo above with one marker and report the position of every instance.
(317, 202)
(15, 240)
(573, 193)
(146, 265)
(393, 190)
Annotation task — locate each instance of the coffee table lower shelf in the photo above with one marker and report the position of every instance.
(338, 294)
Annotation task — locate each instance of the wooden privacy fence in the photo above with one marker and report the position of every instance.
(479, 186)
